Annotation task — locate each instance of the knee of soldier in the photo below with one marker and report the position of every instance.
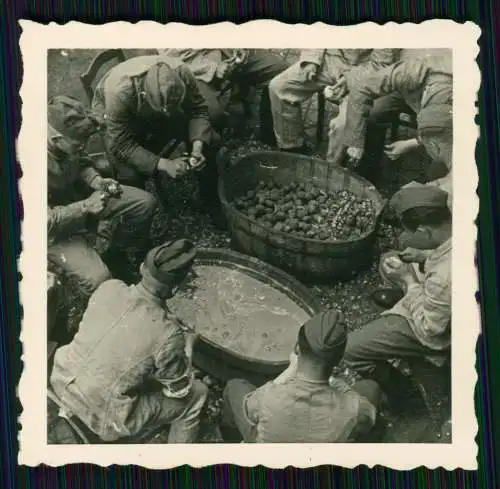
(199, 394)
(149, 203)
(141, 202)
(277, 85)
(218, 117)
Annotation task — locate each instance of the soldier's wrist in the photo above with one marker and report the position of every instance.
(84, 207)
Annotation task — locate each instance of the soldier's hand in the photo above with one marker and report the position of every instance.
(109, 185)
(197, 160)
(310, 71)
(354, 155)
(397, 149)
(223, 70)
(95, 204)
(175, 168)
(413, 255)
(337, 92)
(190, 339)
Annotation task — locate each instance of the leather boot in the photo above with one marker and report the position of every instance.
(387, 297)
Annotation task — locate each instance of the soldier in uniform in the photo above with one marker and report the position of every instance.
(303, 405)
(81, 201)
(128, 370)
(145, 103)
(426, 86)
(318, 69)
(213, 68)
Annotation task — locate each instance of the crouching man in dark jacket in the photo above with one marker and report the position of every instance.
(302, 405)
(80, 200)
(128, 370)
(145, 103)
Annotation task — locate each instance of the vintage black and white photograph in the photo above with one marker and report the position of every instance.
(252, 245)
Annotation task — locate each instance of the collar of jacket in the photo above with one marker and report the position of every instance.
(141, 290)
(441, 250)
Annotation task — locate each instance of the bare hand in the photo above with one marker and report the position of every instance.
(190, 341)
(197, 160)
(336, 92)
(392, 265)
(109, 185)
(241, 56)
(95, 203)
(175, 168)
(397, 271)
(354, 155)
(223, 70)
(413, 255)
(310, 71)
(396, 149)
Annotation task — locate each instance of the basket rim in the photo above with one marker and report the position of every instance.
(367, 234)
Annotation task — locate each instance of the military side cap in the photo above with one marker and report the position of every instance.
(326, 334)
(170, 259)
(418, 195)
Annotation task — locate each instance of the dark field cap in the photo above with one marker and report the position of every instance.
(326, 334)
(170, 259)
(418, 195)
(164, 89)
(69, 117)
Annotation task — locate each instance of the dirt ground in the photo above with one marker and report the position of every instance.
(178, 218)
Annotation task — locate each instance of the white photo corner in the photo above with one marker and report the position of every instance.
(249, 234)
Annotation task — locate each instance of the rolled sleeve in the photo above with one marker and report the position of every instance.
(366, 418)
(251, 405)
(196, 109)
(171, 361)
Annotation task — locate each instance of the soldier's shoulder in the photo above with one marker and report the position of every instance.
(112, 285)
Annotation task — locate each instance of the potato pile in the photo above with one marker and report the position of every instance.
(307, 211)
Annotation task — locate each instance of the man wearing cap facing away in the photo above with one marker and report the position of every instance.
(146, 102)
(78, 196)
(128, 370)
(301, 405)
(419, 324)
(423, 85)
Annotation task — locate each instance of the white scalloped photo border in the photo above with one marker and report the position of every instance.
(36, 39)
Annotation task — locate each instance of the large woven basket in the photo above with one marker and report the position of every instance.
(309, 260)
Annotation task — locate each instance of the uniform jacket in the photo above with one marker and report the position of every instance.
(427, 304)
(345, 59)
(202, 62)
(120, 101)
(125, 345)
(420, 81)
(305, 411)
